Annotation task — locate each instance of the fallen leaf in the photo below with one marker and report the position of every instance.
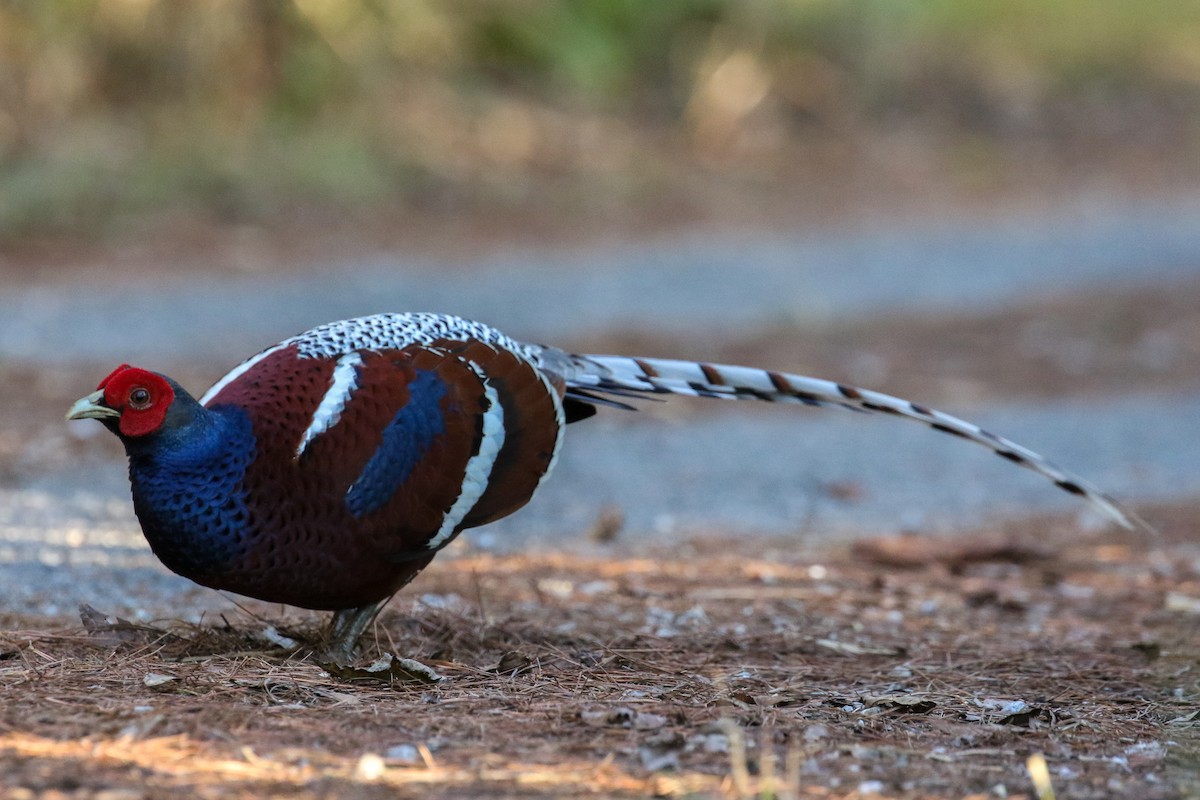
(846, 648)
(112, 631)
(1024, 718)
(905, 702)
(622, 716)
(1188, 719)
(157, 680)
(512, 663)
(1013, 712)
(387, 669)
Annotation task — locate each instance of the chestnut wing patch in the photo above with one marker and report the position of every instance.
(411, 448)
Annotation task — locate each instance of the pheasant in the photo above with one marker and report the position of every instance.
(327, 471)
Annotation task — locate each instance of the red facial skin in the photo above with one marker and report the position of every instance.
(141, 396)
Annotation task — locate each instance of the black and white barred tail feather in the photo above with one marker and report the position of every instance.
(592, 380)
(624, 376)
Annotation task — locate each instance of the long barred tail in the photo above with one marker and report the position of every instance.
(625, 376)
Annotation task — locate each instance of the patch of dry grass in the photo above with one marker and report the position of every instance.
(692, 673)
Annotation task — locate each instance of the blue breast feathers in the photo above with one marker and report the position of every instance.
(405, 440)
(189, 493)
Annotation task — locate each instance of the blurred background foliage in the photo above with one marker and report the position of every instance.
(115, 111)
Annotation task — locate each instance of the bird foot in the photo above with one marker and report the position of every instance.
(336, 655)
(345, 629)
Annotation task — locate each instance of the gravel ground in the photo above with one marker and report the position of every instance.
(695, 283)
(70, 537)
(66, 529)
(720, 628)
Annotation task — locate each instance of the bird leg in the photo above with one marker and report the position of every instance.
(345, 628)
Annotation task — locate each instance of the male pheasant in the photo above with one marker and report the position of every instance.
(328, 470)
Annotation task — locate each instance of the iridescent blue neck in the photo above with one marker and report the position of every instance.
(189, 488)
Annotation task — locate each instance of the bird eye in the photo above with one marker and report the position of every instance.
(139, 397)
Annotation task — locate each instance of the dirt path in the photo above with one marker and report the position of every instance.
(725, 609)
(905, 668)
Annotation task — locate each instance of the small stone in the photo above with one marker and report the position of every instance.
(405, 753)
(815, 733)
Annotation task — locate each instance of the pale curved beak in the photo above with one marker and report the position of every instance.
(92, 407)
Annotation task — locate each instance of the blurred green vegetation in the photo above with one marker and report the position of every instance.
(113, 110)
